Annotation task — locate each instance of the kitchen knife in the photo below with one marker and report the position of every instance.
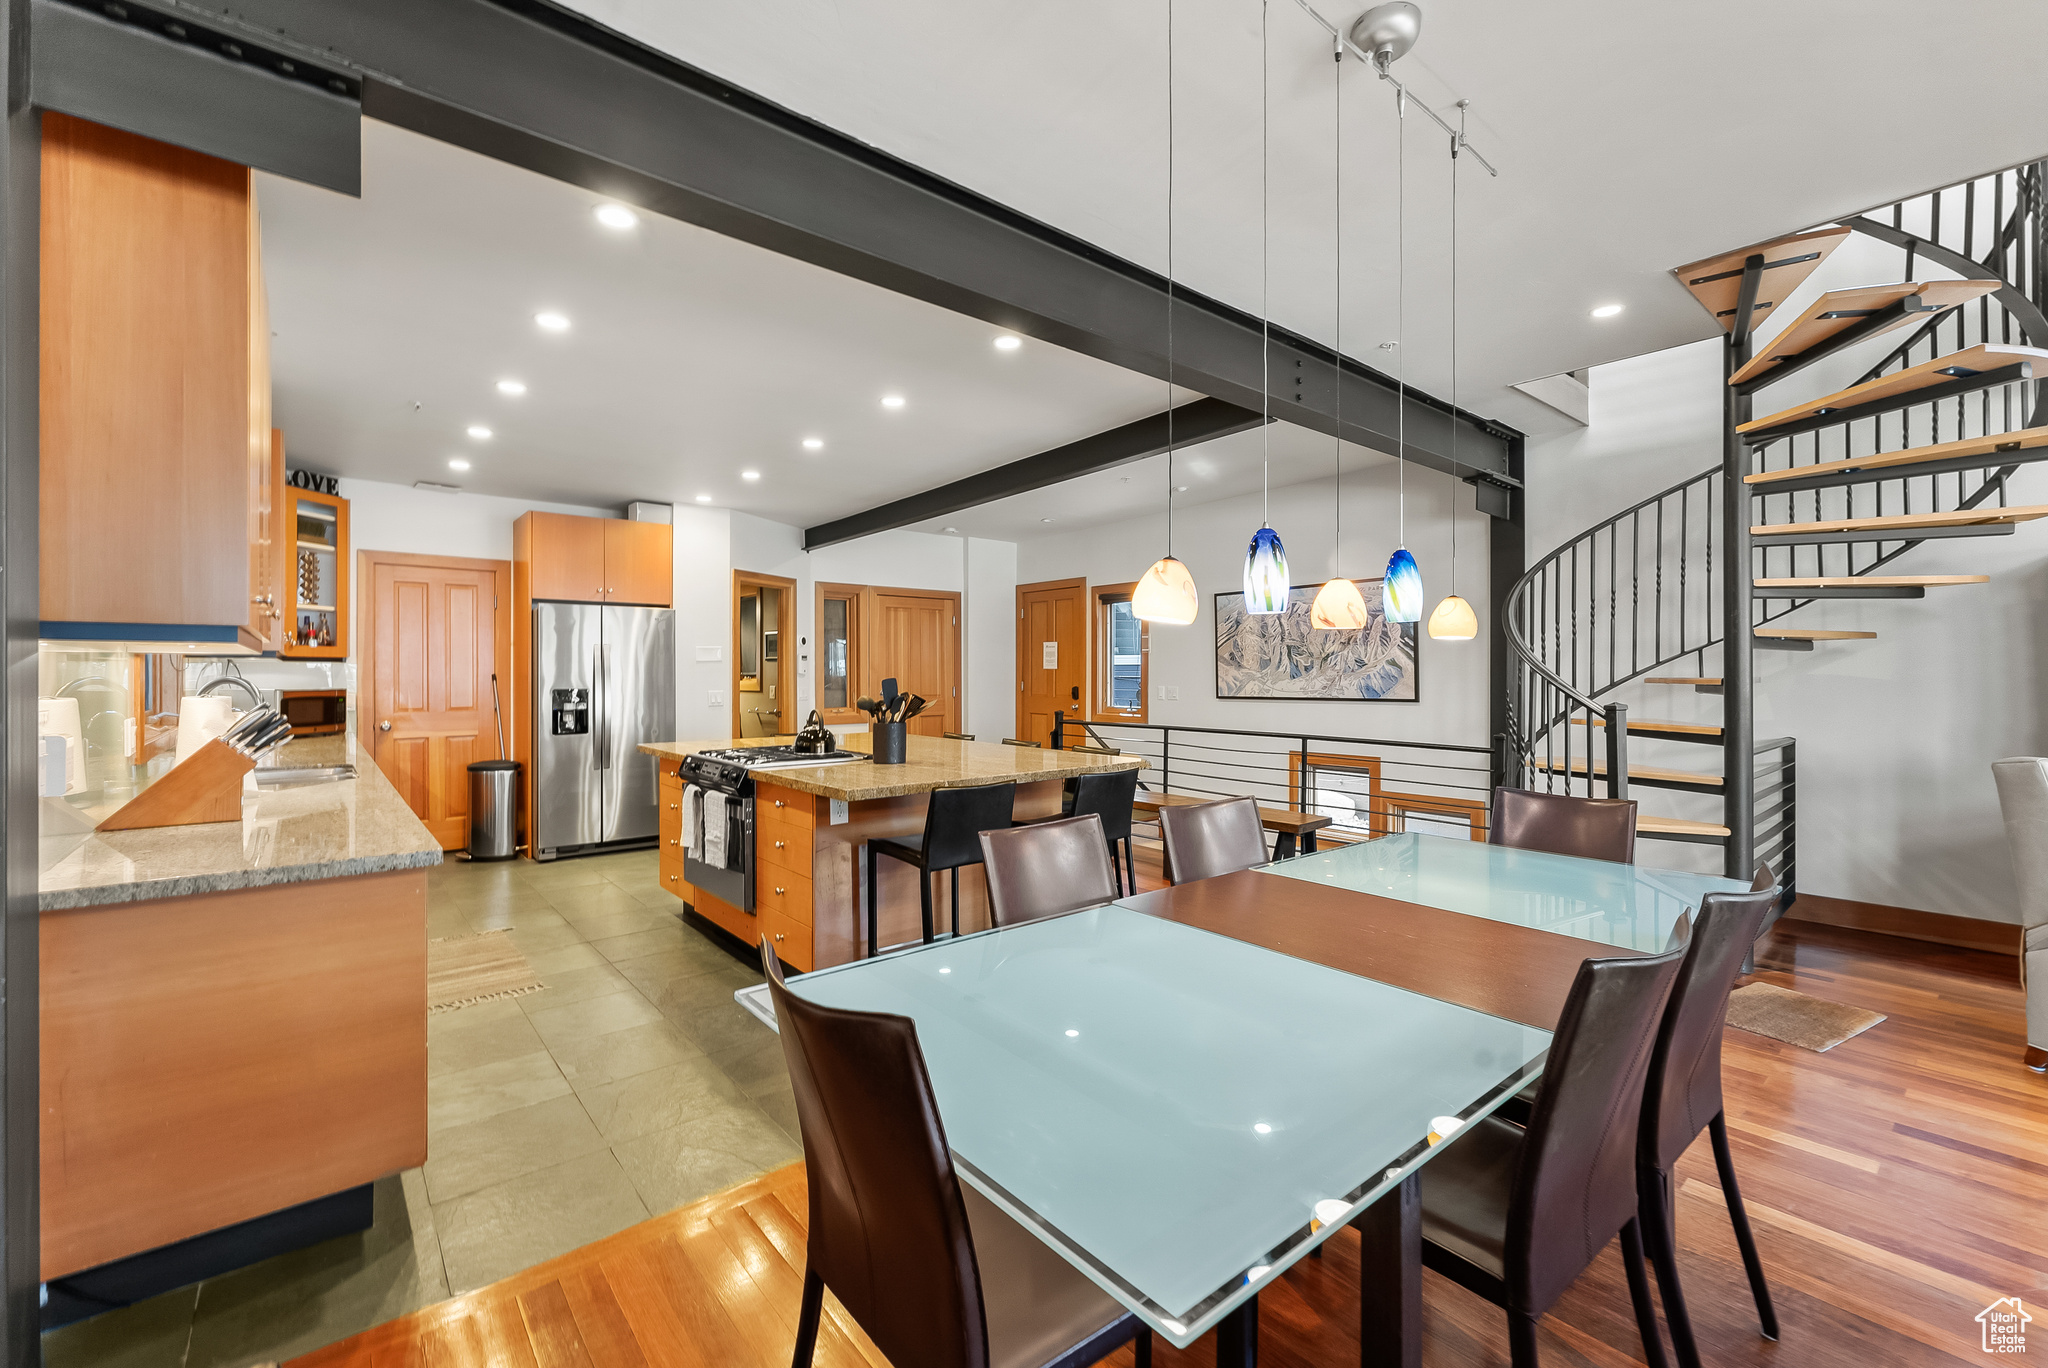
(272, 733)
(247, 724)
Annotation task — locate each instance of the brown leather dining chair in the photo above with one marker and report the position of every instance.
(1046, 868)
(1683, 1097)
(1517, 1214)
(1207, 839)
(1592, 828)
(935, 1273)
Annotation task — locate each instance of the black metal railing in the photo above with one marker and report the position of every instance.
(1367, 786)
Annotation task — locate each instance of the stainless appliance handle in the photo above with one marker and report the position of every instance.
(600, 722)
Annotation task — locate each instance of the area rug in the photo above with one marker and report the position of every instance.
(1809, 1022)
(465, 970)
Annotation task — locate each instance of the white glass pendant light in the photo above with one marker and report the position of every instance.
(1265, 560)
(1339, 607)
(1401, 590)
(1454, 619)
(1166, 592)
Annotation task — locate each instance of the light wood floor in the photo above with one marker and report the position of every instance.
(1898, 1185)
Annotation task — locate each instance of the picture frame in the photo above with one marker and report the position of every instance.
(1280, 656)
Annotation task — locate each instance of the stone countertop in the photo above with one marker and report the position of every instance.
(932, 762)
(286, 835)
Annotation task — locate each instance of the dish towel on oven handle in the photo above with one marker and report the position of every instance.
(693, 821)
(715, 830)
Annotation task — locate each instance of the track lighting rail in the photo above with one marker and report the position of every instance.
(1457, 135)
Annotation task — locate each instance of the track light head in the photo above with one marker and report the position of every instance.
(1386, 32)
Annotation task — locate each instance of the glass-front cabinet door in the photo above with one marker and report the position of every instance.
(316, 623)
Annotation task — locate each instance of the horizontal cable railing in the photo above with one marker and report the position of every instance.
(1367, 786)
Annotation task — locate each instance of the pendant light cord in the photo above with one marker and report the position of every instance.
(1169, 279)
(1337, 289)
(1265, 313)
(1456, 468)
(1401, 316)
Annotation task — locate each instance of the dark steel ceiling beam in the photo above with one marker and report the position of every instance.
(1200, 421)
(537, 86)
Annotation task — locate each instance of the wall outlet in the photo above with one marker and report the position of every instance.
(718, 698)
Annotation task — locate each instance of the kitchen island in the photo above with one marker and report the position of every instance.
(810, 824)
(234, 1029)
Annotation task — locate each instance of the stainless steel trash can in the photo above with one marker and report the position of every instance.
(493, 824)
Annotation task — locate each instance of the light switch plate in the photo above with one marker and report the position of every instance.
(710, 653)
(717, 698)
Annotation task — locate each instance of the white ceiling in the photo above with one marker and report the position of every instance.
(690, 357)
(1631, 138)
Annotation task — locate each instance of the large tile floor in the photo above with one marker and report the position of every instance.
(632, 1084)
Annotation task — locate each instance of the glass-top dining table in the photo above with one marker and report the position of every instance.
(1182, 1112)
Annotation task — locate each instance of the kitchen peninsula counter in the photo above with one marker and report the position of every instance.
(286, 835)
(811, 829)
(234, 1028)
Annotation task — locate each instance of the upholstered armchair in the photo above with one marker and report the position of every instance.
(2023, 796)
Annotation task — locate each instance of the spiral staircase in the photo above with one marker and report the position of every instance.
(1820, 500)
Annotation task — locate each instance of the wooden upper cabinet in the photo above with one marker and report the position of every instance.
(154, 390)
(639, 561)
(567, 556)
(594, 560)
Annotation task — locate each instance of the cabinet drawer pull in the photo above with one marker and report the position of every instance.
(781, 844)
(779, 936)
(673, 806)
(674, 841)
(671, 878)
(780, 803)
(779, 890)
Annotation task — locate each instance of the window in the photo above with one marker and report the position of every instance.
(839, 652)
(1121, 649)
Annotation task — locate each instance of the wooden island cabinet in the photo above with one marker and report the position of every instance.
(810, 824)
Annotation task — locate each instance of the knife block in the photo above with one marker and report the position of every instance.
(206, 788)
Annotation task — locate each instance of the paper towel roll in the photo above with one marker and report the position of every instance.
(59, 717)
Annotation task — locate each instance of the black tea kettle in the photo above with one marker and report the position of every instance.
(816, 738)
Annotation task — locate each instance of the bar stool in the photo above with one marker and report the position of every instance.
(954, 819)
(1108, 796)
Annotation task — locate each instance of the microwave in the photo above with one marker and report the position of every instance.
(314, 712)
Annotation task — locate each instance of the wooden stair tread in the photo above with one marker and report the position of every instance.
(1883, 460)
(1811, 329)
(1651, 724)
(1906, 522)
(1694, 680)
(1677, 826)
(1643, 772)
(1874, 581)
(1811, 634)
(1985, 356)
(1717, 281)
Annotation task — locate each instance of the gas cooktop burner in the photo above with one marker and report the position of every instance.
(778, 757)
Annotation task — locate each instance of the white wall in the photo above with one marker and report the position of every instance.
(703, 606)
(1896, 735)
(1211, 540)
(990, 639)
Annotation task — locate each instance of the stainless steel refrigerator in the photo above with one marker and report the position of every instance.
(604, 682)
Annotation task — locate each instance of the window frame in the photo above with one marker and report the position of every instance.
(1100, 597)
(855, 596)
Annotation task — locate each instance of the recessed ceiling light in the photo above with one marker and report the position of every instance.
(616, 216)
(949, 529)
(551, 321)
(750, 474)
(511, 387)
(1607, 311)
(1180, 489)
(1009, 342)
(892, 401)
(457, 463)
(480, 432)
(1045, 519)
(703, 498)
(814, 444)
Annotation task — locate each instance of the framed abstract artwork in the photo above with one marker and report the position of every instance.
(1278, 655)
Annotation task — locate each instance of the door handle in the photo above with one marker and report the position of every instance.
(383, 726)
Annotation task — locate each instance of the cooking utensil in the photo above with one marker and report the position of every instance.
(889, 690)
(915, 706)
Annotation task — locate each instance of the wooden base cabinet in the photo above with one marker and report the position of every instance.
(211, 1059)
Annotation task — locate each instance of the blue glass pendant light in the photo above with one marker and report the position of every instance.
(1401, 590)
(1265, 560)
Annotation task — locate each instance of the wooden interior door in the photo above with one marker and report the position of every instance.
(915, 639)
(438, 627)
(1052, 655)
